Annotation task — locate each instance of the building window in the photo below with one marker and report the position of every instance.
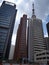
(44, 57)
(47, 53)
(47, 57)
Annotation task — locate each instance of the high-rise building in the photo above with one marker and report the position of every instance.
(20, 47)
(35, 36)
(7, 20)
(47, 28)
(46, 41)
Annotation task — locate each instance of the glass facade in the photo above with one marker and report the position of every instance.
(7, 18)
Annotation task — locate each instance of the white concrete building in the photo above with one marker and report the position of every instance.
(42, 57)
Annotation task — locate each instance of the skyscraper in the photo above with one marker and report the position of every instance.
(46, 40)
(20, 47)
(35, 36)
(47, 28)
(7, 19)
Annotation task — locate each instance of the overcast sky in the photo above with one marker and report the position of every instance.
(25, 7)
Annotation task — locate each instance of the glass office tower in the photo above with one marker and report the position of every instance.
(7, 20)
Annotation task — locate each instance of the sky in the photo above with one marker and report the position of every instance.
(25, 7)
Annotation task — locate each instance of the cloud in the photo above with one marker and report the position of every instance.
(46, 35)
(19, 2)
(44, 27)
(41, 8)
(13, 39)
(0, 1)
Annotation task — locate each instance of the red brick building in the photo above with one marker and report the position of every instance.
(21, 46)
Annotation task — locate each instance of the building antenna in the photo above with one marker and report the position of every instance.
(33, 10)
